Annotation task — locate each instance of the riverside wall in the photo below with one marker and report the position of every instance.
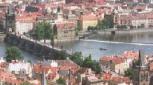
(127, 31)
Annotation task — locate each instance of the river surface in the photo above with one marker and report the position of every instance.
(115, 45)
(26, 56)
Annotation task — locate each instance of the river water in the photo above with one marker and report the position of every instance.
(26, 56)
(115, 45)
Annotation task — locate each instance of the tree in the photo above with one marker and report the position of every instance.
(78, 28)
(96, 67)
(77, 58)
(48, 32)
(44, 31)
(61, 81)
(129, 73)
(107, 22)
(87, 62)
(39, 31)
(13, 53)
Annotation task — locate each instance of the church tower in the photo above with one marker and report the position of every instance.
(143, 71)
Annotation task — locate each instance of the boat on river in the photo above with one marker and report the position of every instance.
(102, 49)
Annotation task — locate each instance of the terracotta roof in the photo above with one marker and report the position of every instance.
(28, 17)
(107, 76)
(137, 16)
(113, 59)
(68, 64)
(121, 58)
(130, 54)
(50, 71)
(100, 1)
(9, 78)
(89, 17)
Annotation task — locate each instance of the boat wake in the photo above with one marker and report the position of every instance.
(114, 42)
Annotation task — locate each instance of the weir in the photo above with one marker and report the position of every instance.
(35, 47)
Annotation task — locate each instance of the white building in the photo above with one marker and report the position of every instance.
(18, 67)
(24, 23)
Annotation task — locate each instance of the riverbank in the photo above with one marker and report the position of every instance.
(127, 31)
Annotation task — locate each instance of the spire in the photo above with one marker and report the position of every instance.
(141, 58)
(140, 63)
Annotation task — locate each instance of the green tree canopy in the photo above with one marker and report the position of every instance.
(43, 30)
(13, 53)
(130, 73)
(78, 28)
(61, 81)
(48, 31)
(96, 67)
(107, 22)
(39, 31)
(77, 58)
(86, 62)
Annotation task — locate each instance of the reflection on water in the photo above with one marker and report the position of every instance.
(114, 44)
(27, 56)
(128, 37)
(92, 45)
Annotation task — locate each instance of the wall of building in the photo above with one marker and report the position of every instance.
(23, 27)
(121, 68)
(66, 34)
(87, 23)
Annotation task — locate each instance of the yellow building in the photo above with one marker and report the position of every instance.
(88, 20)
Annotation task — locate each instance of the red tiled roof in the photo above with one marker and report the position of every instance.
(121, 58)
(9, 78)
(51, 71)
(130, 54)
(89, 17)
(138, 16)
(107, 76)
(113, 59)
(28, 17)
(68, 64)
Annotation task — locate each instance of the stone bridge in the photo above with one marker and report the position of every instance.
(35, 47)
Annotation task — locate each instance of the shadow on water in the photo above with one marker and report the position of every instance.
(27, 56)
